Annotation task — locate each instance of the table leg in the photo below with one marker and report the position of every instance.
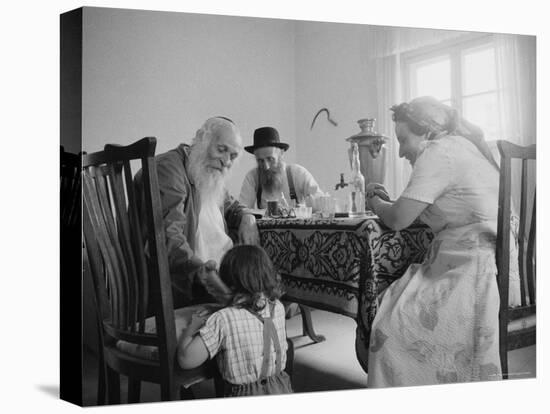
(307, 325)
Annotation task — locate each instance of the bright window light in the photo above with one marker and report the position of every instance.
(463, 76)
(482, 110)
(479, 71)
(433, 78)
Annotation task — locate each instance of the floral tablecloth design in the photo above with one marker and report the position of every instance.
(342, 264)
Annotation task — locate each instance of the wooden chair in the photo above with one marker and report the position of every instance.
(517, 325)
(125, 270)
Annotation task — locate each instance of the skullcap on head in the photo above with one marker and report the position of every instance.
(227, 119)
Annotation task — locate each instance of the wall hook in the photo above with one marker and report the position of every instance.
(333, 122)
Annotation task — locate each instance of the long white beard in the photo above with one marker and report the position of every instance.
(211, 187)
(210, 183)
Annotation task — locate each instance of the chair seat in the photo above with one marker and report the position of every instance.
(149, 370)
(182, 317)
(523, 323)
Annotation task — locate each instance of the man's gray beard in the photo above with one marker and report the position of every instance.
(272, 179)
(210, 183)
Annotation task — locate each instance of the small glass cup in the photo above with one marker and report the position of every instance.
(303, 212)
(341, 205)
(328, 206)
(272, 209)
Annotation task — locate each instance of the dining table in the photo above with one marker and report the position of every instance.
(341, 264)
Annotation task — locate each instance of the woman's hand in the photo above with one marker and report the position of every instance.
(375, 189)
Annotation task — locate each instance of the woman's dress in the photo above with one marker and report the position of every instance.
(439, 322)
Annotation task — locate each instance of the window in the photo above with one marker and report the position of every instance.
(462, 75)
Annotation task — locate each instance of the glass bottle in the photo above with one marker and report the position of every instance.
(357, 185)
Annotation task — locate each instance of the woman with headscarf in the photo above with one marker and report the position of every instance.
(439, 322)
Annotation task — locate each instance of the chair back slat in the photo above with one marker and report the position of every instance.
(99, 219)
(503, 239)
(118, 191)
(159, 261)
(526, 239)
(96, 266)
(137, 241)
(108, 198)
(531, 262)
(527, 231)
(523, 216)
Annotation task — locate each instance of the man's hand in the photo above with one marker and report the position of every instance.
(248, 231)
(213, 284)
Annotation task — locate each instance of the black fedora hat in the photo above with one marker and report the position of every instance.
(266, 137)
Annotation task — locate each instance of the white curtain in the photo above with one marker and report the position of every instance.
(516, 79)
(515, 55)
(388, 93)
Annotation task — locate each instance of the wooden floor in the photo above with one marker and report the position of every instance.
(327, 366)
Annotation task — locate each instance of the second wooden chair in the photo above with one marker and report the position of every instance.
(517, 325)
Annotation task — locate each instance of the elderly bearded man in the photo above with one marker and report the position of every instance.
(273, 176)
(198, 211)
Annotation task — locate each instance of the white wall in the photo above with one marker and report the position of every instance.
(331, 72)
(162, 74)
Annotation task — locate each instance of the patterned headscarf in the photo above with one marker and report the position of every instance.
(426, 115)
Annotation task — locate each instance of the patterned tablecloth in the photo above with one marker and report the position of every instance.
(341, 264)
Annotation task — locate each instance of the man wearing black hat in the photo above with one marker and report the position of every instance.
(273, 176)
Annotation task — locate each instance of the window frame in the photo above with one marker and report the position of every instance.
(454, 49)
